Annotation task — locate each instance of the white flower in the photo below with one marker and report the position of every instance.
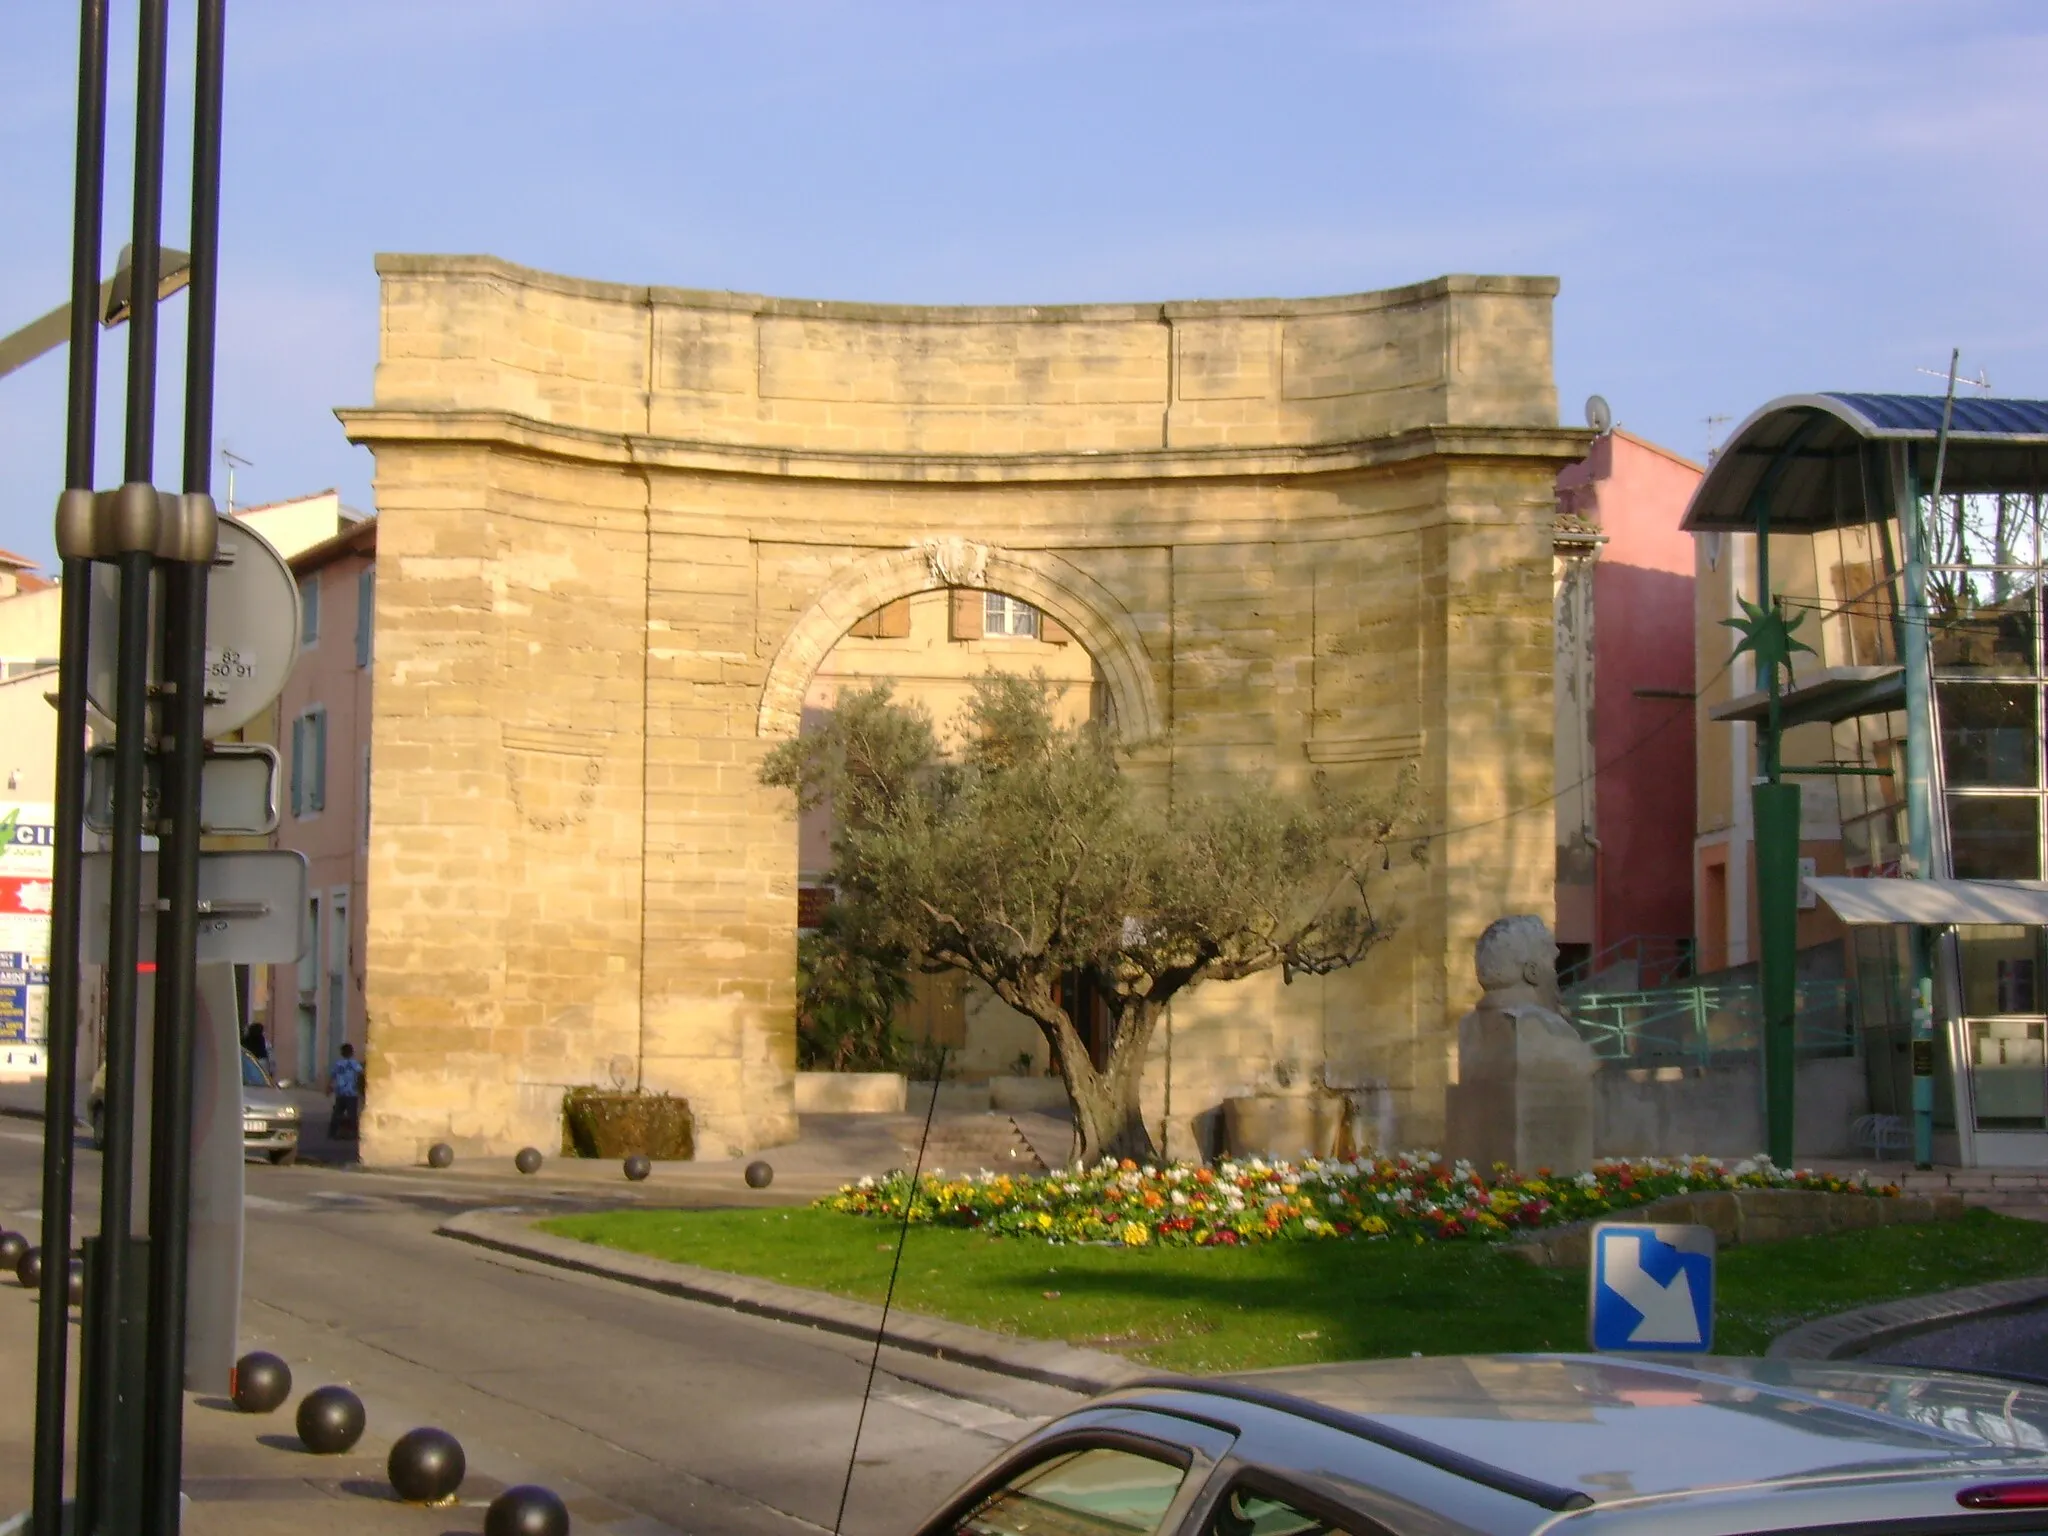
(1334, 1198)
(1180, 1197)
(867, 1181)
(1310, 1224)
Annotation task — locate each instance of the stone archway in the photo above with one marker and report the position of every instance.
(620, 528)
(1089, 611)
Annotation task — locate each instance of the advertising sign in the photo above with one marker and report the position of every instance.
(27, 866)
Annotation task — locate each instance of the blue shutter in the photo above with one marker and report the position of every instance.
(299, 766)
(317, 795)
(366, 614)
(309, 609)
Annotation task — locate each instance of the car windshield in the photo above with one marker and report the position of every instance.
(255, 1074)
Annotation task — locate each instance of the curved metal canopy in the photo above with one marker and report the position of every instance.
(1826, 458)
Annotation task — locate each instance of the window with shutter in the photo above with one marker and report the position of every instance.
(309, 610)
(299, 766)
(366, 614)
(316, 796)
(967, 610)
(895, 620)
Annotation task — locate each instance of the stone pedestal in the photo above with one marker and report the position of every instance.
(1524, 1094)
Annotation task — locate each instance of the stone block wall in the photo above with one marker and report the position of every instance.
(622, 526)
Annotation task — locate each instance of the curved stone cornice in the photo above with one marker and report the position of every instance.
(1090, 611)
(377, 427)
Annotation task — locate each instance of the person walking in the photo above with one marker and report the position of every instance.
(345, 1084)
(255, 1043)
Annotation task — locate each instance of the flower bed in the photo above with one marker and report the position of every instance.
(1413, 1197)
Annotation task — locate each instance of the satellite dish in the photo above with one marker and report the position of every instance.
(1598, 416)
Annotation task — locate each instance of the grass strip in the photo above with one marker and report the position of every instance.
(1294, 1303)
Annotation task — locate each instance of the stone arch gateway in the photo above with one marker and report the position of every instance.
(621, 526)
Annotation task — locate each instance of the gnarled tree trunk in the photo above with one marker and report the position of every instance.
(1108, 1121)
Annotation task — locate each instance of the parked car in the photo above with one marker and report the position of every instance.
(270, 1120)
(1510, 1445)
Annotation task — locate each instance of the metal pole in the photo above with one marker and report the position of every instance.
(1775, 817)
(1920, 808)
(184, 668)
(102, 1463)
(60, 1052)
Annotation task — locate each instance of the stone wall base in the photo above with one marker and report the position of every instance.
(1745, 1216)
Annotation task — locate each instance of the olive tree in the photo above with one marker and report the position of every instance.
(1028, 855)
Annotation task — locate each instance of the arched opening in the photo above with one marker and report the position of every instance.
(931, 646)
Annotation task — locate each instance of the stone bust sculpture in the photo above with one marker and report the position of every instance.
(1524, 1091)
(1517, 963)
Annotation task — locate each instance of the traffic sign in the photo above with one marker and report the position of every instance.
(252, 630)
(1652, 1288)
(237, 790)
(251, 908)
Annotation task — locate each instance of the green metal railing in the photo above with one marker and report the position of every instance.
(1708, 1025)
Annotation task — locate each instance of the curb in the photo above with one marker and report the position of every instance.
(1849, 1334)
(1041, 1360)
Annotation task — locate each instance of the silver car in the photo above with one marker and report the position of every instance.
(1512, 1445)
(270, 1120)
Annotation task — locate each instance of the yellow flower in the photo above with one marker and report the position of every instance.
(1375, 1225)
(1135, 1235)
(1044, 1219)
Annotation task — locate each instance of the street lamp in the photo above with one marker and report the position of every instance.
(116, 304)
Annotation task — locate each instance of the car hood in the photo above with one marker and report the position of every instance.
(268, 1101)
(1615, 1427)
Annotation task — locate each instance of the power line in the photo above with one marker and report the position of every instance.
(1562, 790)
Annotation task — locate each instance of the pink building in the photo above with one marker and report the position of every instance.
(1625, 681)
(324, 741)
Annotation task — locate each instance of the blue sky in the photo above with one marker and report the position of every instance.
(1741, 199)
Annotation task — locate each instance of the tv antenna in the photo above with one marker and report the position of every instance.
(1982, 381)
(230, 458)
(1714, 423)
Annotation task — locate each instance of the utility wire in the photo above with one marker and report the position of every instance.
(889, 1296)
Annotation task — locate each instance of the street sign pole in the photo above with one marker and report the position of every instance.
(184, 715)
(139, 573)
(110, 1428)
(60, 1098)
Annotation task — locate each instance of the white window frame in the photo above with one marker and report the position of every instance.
(1007, 618)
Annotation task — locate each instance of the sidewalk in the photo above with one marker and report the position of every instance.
(248, 1475)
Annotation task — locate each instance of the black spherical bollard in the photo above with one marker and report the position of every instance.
(638, 1167)
(331, 1420)
(440, 1155)
(29, 1271)
(528, 1160)
(526, 1511)
(261, 1382)
(12, 1246)
(759, 1175)
(426, 1466)
(74, 1282)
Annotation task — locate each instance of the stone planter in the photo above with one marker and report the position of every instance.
(600, 1124)
(1282, 1126)
(851, 1093)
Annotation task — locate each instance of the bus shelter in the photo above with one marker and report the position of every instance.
(1908, 644)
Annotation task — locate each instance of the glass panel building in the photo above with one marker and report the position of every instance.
(1927, 684)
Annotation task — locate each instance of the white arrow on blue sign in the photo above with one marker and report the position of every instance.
(1652, 1288)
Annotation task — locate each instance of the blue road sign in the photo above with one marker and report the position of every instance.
(1652, 1288)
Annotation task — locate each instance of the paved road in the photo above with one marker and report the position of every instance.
(2013, 1345)
(703, 1419)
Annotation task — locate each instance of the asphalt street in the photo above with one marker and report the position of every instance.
(2014, 1345)
(698, 1418)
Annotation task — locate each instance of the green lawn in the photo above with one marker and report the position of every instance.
(1210, 1309)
